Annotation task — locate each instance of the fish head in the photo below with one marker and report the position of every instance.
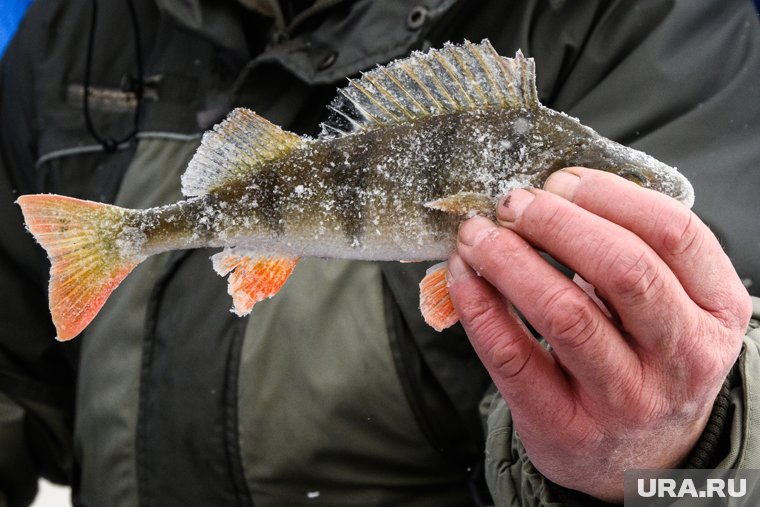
(648, 172)
(586, 148)
(578, 145)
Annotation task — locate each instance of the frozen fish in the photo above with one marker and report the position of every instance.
(408, 152)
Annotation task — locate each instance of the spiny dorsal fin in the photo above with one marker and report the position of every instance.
(456, 78)
(235, 148)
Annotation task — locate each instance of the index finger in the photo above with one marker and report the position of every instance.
(675, 233)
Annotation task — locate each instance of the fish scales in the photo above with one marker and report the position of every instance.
(359, 196)
(409, 151)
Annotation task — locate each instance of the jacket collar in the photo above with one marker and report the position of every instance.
(324, 44)
(215, 21)
(367, 33)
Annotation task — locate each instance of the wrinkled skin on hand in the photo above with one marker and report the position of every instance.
(633, 391)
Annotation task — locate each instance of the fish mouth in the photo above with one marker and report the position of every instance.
(686, 197)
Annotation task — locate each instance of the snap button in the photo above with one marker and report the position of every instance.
(417, 17)
(327, 60)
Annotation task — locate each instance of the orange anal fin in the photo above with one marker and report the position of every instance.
(435, 303)
(252, 277)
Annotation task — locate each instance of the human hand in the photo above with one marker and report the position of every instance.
(633, 391)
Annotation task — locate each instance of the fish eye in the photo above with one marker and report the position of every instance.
(634, 176)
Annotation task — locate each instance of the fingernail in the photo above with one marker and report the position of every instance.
(562, 183)
(474, 229)
(513, 205)
(458, 269)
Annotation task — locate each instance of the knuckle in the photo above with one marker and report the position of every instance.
(552, 217)
(680, 231)
(744, 309)
(636, 276)
(509, 361)
(709, 359)
(499, 348)
(732, 308)
(494, 251)
(708, 367)
(737, 312)
(483, 318)
(570, 318)
(477, 313)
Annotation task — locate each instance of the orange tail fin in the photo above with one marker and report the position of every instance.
(435, 302)
(88, 258)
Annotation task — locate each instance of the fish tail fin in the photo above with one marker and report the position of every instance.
(89, 255)
(435, 301)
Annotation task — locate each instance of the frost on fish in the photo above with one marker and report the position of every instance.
(409, 151)
(454, 79)
(89, 255)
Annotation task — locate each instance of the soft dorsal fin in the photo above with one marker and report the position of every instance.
(455, 78)
(235, 148)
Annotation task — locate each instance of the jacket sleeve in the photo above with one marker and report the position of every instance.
(36, 372)
(677, 79)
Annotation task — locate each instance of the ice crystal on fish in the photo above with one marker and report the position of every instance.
(409, 151)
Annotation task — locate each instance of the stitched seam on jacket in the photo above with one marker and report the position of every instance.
(95, 148)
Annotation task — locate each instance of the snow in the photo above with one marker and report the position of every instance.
(52, 495)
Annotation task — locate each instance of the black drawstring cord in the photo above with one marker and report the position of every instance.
(109, 143)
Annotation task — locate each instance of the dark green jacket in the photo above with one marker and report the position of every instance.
(334, 392)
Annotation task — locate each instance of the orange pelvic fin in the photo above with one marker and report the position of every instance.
(86, 262)
(435, 303)
(254, 277)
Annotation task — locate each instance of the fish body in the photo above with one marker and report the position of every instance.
(410, 151)
(363, 196)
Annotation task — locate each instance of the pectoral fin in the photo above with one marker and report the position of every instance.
(252, 277)
(466, 204)
(435, 303)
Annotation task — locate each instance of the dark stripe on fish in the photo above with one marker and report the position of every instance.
(268, 191)
(438, 174)
(350, 182)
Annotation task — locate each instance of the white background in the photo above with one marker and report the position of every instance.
(52, 495)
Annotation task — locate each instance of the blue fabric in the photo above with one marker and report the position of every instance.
(10, 15)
